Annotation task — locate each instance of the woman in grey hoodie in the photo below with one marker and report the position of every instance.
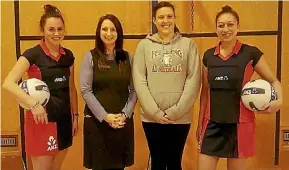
(166, 73)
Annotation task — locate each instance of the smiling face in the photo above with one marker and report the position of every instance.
(53, 31)
(165, 21)
(227, 27)
(108, 32)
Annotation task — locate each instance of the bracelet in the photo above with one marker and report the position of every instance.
(76, 114)
(35, 105)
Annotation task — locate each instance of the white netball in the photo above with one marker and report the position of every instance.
(37, 89)
(256, 93)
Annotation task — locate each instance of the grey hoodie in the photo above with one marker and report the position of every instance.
(166, 78)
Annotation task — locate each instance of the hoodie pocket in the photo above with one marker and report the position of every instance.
(165, 100)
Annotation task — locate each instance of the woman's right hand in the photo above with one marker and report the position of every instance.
(165, 120)
(39, 114)
(112, 120)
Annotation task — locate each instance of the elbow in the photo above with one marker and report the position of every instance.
(85, 93)
(84, 89)
(6, 84)
(275, 81)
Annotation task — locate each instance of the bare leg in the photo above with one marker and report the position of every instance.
(58, 159)
(206, 162)
(42, 162)
(236, 163)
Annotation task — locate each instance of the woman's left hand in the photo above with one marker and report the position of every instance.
(75, 126)
(121, 120)
(273, 106)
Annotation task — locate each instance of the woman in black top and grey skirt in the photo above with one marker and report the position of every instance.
(106, 86)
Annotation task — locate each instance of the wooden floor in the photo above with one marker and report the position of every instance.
(11, 163)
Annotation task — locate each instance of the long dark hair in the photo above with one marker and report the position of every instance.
(165, 4)
(99, 48)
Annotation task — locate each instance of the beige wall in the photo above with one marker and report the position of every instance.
(285, 82)
(9, 108)
(254, 16)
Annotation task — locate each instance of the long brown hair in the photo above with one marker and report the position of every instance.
(99, 48)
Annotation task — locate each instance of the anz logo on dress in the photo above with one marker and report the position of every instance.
(60, 79)
(221, 78)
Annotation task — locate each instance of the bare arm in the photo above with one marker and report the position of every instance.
(73, 101)
(73, 92)
(204, 96)
(11, 82)
(265, 73)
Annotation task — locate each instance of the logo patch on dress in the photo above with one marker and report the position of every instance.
(52, 145)
(60, 79)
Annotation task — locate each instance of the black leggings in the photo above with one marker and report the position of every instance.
(166, 144)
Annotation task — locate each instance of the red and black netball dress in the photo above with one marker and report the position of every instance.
(47, 139)
(229, 127)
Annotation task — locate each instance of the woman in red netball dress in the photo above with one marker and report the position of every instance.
(49, 129)
(226, 128)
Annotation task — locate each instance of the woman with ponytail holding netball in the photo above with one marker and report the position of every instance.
(226, 128)
(48, 130)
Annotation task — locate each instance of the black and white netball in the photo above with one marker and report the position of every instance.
(37, 89)
(256, 93)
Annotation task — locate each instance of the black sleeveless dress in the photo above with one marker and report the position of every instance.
(104, 146)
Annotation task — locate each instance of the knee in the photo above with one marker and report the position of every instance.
(206, 162)
(236, 164)
(42, 163)
(56, 165)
